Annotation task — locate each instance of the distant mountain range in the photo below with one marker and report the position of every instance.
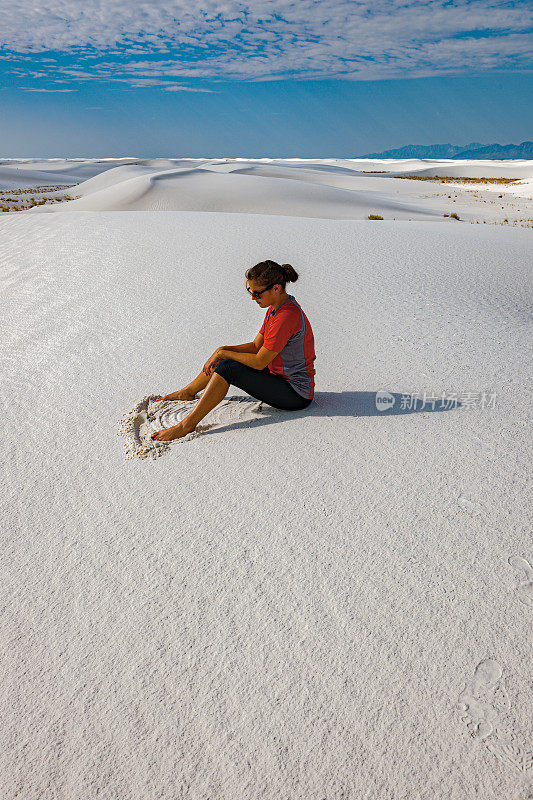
(472, 150)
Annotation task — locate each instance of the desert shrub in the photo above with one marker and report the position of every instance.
(448, 179)
(374, 216)
(454, 216)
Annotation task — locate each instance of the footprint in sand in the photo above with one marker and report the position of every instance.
(471, 507)
(151, 415)
(447, 589)
(484, 707)
(441, 586)
(525, 587)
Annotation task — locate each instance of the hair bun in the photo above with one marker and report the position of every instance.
(289, 272)
(270, 272)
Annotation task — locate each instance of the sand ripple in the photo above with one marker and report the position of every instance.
(151, 415)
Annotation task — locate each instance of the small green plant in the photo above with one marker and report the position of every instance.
(374, 216)
(454, 216)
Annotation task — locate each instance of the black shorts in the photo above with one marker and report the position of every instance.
(262, 384)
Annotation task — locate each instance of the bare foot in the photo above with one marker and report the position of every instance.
(176, 432)
(181, 394)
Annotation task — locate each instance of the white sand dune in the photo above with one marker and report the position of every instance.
(514, 168)
(26, 173)
(312, 188)
(206, 190)
(330, 603)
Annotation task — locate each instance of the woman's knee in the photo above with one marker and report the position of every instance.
(224, 368)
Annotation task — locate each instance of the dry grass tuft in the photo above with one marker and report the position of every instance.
(23, 199)
(446, 179)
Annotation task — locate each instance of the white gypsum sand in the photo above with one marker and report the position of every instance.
(330, 603)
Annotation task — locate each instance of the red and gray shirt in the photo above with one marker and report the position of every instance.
(287, 332)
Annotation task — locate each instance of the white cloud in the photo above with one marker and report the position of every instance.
(176, 88)
(228, 40)
(48, 90)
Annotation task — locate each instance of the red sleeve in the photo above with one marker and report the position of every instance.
(280, 330)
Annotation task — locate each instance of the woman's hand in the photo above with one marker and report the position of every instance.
(211, 362)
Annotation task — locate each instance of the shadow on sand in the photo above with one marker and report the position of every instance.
(348, 404)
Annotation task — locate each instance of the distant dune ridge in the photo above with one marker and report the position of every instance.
(321, 188)
(473, 150)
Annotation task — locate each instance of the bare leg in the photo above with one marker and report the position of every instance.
(191, 390)
(216, 391)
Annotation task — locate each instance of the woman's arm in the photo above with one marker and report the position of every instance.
(253, 354)
(248, 347)
(255, 360)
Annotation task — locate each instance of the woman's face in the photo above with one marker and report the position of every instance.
(269, 297)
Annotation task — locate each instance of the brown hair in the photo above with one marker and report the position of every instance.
(267, 272)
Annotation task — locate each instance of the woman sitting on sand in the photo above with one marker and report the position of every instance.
(277, 367)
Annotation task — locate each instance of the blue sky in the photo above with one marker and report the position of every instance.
(309, 78)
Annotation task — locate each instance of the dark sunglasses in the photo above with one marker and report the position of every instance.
(257, 295)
